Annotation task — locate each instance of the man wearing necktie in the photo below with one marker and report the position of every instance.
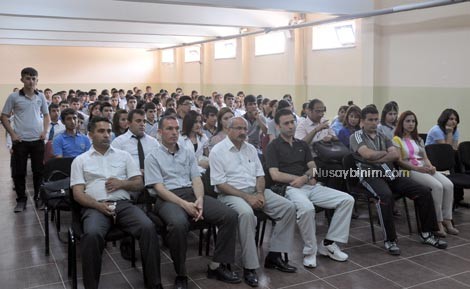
(56, 126)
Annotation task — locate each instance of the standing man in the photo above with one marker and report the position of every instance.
(101, 179)
(172, 171)
(56, 126)
(290, 163)
(30, 124)
(238, 176)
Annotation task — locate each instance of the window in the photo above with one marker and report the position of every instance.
(225, 49)
(192, 53)
(271, 43)
(334, 35)
(168, 56)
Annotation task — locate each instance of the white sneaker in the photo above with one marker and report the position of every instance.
(310, 261)
(332, 251)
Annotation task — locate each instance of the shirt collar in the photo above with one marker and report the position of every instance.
(166, 150)
(109, 151)
(21, 92)
(229, 145)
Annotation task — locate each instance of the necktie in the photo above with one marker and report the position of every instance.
(51, 132)
(140, 151)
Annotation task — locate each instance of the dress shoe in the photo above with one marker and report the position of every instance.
(20, 206)
(181, 282)
(250, 277)
(222, 273)
(279, 264)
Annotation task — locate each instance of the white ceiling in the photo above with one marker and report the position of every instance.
(150, 23)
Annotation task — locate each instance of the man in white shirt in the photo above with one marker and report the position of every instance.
(56, 126)
(101, 179)
(238, 176)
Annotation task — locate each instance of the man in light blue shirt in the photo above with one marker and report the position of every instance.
(70, 143)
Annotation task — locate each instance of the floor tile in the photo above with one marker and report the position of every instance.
(443, 263)
(362, 279)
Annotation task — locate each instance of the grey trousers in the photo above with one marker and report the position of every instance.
(178, 222)
(130, 219)
(276, 207)
(442, 191)
(305, 198)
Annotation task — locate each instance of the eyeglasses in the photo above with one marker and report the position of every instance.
(240, 128)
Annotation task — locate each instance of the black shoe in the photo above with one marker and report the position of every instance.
(222, 273)
(39, 204)
(279, 264)
(181, 282)
(159, 286)
(125, 248)
(250, 277)
(20, 206)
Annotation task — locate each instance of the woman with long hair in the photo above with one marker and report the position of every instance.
(388, 119)
(413, 158)
(223, 116)
(445, 131)
(351, 123)
(120, 124)
(193, 138)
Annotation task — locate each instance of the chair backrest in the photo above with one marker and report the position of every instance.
(57, 164)
(464, 154)
(349, 164)
(423, 136)
(48, 151)
(442, 156)
(206, 180)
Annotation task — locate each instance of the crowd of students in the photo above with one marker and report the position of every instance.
(125, 141)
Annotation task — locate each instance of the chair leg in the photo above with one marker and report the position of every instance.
(418, 223)
(371, 221)
(263, 229)
(208, 239)
(408, 215)
(133, 252)
(46, 229)
(52, 215)
(57, 223)
(258, 224)
(73, 258)
(201, 237)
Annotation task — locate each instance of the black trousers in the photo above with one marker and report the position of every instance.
(21, 151)
(421, 195)
(130, 219)
(178, 223)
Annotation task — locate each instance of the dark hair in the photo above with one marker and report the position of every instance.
(283, 104)
(52, 106)
(227, 95)
(105, 104)
(352, 109)
(249, 99)
(272, 103)
(149, 105)
(170, 100)
(116, 117)
(343, 107)
(63, 101)
(288, 96)
(162, 120)
(130, 115)
(131, 97)
(169, 112)
(95, 120)
(67, 111)
(369, 109)
(74, 99)
(444, 118)
(183, 98)
(304, 106)
(47, 89)
(209, 109)
(312, 103)
(240, 93)
(399, 129)
(389, 106)
(188, 122)
(29, 71)
(220, 114)
(282, 112)
(92, 106)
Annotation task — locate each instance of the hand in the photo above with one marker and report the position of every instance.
(15, 138)
(327, 138)
(191, 209)
(43, 135)
(104, 208)
(261, 199)
(449, 129)
(299, 181)
(199, 206)
(323, 125)
(254, 201)
(112, 184)
(256, 114)
(312, 182)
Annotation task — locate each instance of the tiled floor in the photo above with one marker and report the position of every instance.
(23, 263)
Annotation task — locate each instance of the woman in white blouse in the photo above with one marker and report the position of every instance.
(193, 138)
(413, 157)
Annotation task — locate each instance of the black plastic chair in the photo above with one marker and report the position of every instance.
(442, 156)
(464, 156)
(423, 136)
(360, 192)
(75, 232)
(56, 164)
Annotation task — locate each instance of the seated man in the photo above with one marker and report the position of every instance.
(172, 171)
(238, 176)
(256, 122)
(101, 179)
(290, 163)
(374, 151)
(70, 143)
